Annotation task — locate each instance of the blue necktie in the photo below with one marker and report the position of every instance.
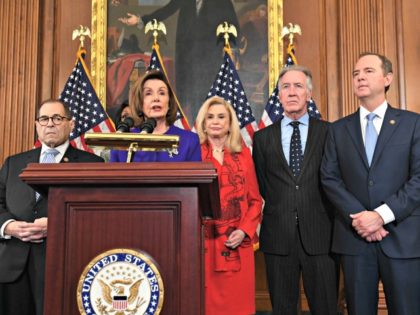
(49, 157)
(296, 157)
(371, 136)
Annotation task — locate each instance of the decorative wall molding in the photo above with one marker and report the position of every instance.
(19, 53)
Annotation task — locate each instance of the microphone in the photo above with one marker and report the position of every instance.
(148, 126)
(125, 125)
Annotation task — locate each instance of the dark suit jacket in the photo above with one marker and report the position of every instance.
(284, 194)
(17, 201)
(393, 178)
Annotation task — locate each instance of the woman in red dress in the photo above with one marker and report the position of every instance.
(229, 240)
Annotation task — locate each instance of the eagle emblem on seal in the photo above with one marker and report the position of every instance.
(121, 281)
(122, 295)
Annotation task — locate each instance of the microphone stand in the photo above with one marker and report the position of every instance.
(146, 127)
(133, 142)
(132, 148)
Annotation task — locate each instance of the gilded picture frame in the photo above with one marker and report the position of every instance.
(99, 44)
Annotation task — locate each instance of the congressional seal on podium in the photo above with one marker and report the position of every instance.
(121, 282)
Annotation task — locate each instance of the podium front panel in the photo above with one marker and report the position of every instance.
(161, 220)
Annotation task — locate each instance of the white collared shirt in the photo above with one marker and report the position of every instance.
(377, 121)
(62, 148)
(384, 210)
(287, 132)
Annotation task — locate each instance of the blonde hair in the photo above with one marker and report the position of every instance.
(234, 139)
(137, 97)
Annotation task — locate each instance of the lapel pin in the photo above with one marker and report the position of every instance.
(392, 122)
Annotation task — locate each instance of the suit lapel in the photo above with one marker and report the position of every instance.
(311, 143)
(389, 125)
(70, 155)
(276, 135)
(33, 157)
(355, 131)
(278, 147)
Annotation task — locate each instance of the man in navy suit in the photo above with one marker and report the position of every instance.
(23, 213)
(371, 172)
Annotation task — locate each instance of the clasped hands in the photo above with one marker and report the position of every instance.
(34, 232)
(369, 225)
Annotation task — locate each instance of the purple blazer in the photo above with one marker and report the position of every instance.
(189, 149)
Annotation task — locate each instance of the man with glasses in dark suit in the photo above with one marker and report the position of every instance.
(23, 212)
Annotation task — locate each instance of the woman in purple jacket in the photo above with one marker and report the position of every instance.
(152, 97)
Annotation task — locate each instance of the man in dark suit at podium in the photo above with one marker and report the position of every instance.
(371, 172)
(297, 219)
(23, 213)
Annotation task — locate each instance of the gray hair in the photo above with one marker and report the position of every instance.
(302, 69)
(67, 111)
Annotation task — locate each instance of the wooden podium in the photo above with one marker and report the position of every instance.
(154, 207)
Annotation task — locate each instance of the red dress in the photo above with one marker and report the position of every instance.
(230, 274)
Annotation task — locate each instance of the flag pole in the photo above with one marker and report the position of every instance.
(82, 32)
(157, 27)
(227, 30)
(80, 96)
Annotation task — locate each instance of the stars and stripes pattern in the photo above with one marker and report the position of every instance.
(157, 64)
(228, 86)
(120, 303)
(87, 110)
(313, 110)
(273, 111)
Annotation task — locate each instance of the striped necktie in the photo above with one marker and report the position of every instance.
(49, 157)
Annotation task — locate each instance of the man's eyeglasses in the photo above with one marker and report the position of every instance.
(56, 119)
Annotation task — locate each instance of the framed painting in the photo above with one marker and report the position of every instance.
(191, 51)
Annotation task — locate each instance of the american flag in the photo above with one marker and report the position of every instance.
(157, 64)
(228, 86)
(88, 112)
(274, 110)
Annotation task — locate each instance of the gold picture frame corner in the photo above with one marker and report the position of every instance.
(99, 28)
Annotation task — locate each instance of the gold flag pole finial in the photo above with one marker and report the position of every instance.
(291, 30)
(156, 27)
(82, 33)
(226, 29)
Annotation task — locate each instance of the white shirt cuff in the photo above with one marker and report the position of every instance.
(386, 213)
(7, 237)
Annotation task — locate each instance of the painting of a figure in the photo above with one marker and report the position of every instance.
(191, 50)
